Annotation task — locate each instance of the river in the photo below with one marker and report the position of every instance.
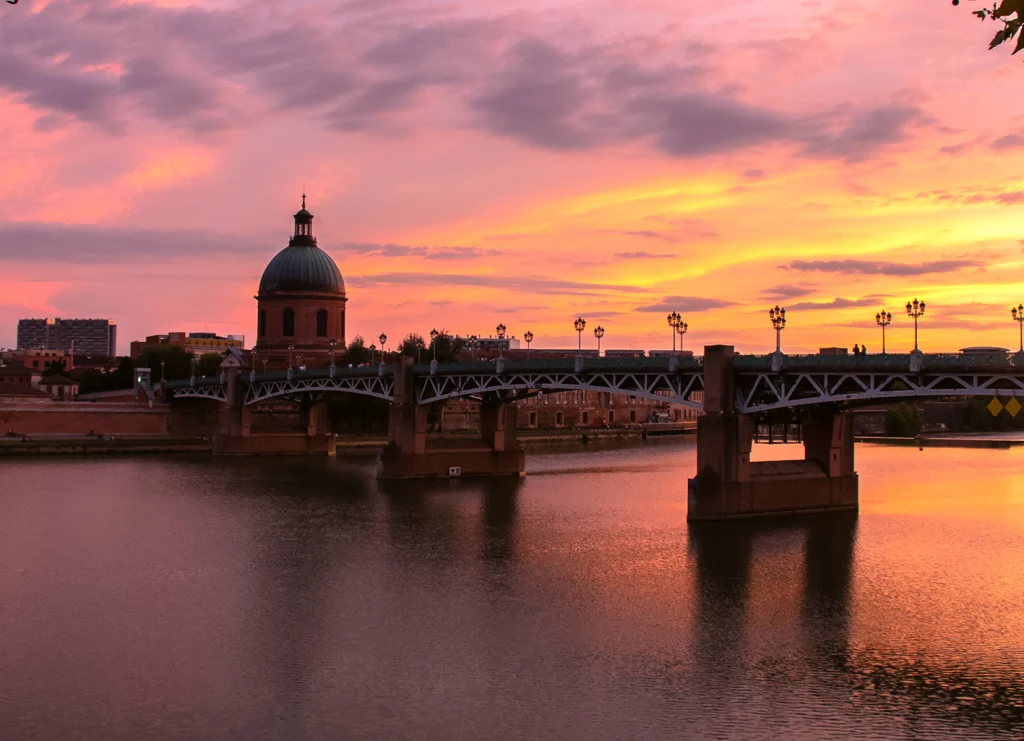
(199, 598)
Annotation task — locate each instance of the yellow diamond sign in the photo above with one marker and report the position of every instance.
(1013, 406)
(995, 406)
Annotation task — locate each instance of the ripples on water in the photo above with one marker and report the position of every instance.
(177, 598)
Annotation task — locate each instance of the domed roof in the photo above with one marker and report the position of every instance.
(302, 267)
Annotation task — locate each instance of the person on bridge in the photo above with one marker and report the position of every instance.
(856, 350)
(863, 350)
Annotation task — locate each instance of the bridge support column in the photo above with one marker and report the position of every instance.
(236, 437)
(411, 454)
(728, 485)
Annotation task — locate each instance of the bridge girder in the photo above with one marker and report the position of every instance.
(675, 388)
(758, 392)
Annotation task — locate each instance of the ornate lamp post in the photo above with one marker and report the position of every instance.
(192, 365)
(373, 353)
(673, 321)
(383, 341)
(580, 325)
(778, 317)
(332, 343)
(501, 329)
(599, 333)
(883, 319)
(163, 363)
(291, 349)
(915, 309)
(433, 342)
(1018, 316)
(681, 329)
(529, 338)
(472, 346)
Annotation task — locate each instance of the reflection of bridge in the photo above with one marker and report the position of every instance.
(730, 388)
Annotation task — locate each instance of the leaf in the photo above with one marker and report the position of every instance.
(999, 38)
(1020, 44)
(1009, 7)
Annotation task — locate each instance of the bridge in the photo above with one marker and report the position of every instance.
(731, 389)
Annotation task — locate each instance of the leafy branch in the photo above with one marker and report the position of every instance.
(1001, 13)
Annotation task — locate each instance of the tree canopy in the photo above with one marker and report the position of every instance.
(413, 346)
(357, 352)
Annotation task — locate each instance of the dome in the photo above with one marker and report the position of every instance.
(302, 267)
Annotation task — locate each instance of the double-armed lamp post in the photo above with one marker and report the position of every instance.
(580, 324)
(599, 333)
(915, 309)
(1018, 316)
(883, 319)
(778, 317)
(673, 321)
(681, 329)
(501, 329)
(529, 338)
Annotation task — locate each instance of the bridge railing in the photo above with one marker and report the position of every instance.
(890, 362)
(565, 365)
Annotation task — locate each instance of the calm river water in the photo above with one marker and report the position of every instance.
(193, 598)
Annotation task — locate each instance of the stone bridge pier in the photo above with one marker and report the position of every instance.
(236, 437)
(728, 485)
(412, 454)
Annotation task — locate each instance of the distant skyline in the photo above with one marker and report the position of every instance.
(517, 162)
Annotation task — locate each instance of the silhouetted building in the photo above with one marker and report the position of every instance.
(197, 343)
(96, 336)
(301, 303)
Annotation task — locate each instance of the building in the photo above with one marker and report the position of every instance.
(60, 388)
(95, 336)
(625, 354)
(18, 374)
(300, 306)
(196, 343)
(36, 359)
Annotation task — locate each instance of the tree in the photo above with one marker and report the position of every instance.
(177, 362)
(209, 364)
(413, 346)
(903, 420)
(55, 368)
(124, 376)
(448, 348)
(1001, 12)
(357, 353)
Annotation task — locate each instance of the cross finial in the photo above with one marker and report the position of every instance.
(303, 199)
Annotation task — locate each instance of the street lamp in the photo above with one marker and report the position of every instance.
(1018, 316)
(162, 364)
(529, 338)
(383, 341)
(883, 319)
(192, 365)
(373, 353)
(500, 329)
(673, 321)
(778, 317)
(332, 343)
(599, 333)
(682, 328)
(473, 344)
(291, 349)
(433, 342)
(916, 310)
(580, 325)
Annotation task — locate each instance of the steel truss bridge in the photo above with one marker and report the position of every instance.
(762, 383)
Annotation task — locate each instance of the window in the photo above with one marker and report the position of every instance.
(611, 416)
(261, 321)
(558, 419)
(321, 323)
(288, 321)
(677, 415)
(586, 418)
(533, 419)
(632, 415)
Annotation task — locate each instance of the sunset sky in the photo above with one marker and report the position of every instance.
(518, 161)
